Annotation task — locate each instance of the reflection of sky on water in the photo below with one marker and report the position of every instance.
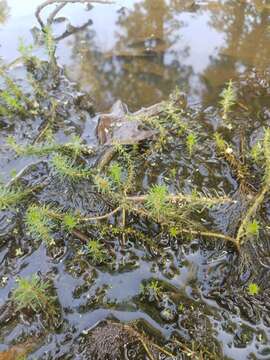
(204, 48)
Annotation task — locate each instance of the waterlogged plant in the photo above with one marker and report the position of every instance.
(33, 294)
(152, 290)
(70, 222)
(253, 228)
(253, 289)
(25, 50)
(65, 168)
(257, 152)
(49, 41)
(191, 142)
(96, 251)
(39, 223)
(10, 198)
(74, 147)
(228, 99)
(115, 173)
(157, 202)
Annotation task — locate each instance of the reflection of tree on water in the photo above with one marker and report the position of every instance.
(143, 67)
(246, 28)
(4, 11)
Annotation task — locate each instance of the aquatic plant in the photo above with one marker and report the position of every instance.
(152, 290)
(65, 168)
(33, 293)
(96, 251)
(115, 173)
(25, 50)
(11, 197)
(70, 221)
(39, 223)
(74, 147)
(253, 228)
(228, 99)
(253, 289)
(191, 142)
(157, 202)
(49, 41)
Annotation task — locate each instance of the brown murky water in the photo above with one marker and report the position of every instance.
(139, 51)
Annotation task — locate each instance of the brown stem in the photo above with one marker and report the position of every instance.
(181, 197)
(101, 217)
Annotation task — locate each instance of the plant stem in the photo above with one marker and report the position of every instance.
(250, 213)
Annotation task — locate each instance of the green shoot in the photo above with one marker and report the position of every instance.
(257, 152)
(152, 290)
(12, 102)
(32, 294)
(220, 143)
(25, 50)
(228, 99)
(96, 251)
(9, 198)
(39, 223)
(75, 147)
(253, 228)
(65, 168)
(49, 41)
(266, 151)
(69, 222)
(191, 142)
(157, 202)
(253, 289)
(115, 173)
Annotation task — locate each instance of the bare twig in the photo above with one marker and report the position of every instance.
(55, 12)
(63, 2)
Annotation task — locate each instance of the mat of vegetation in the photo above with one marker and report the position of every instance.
(132, 235)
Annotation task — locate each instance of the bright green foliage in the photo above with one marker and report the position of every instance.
(191, 142)
(39, 223)
(257, 152)
(253, 289)
(31, 150)
(32, 294)
(173, 231)
(75, 147)
(152, 290)
(65, 167)
(69, 222)
(220, 142)
(10, 197)
(12, 102)
(228, 99)
(25, 50)
(253, 228)
(157, 201)
(115, 173)
(96, 251)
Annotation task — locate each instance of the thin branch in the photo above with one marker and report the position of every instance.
(250, 213)
(187, 198)
(50, 2)
(55, 12)
(210, 234)
(101, 217)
